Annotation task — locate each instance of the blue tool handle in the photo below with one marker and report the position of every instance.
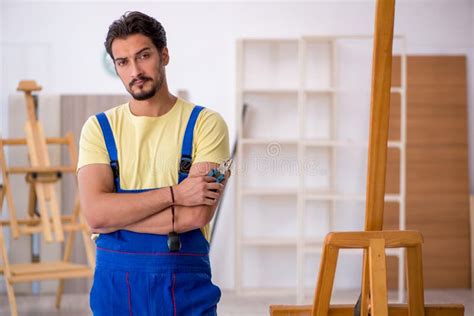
(220, 178)
(213, 173)
(216, 174)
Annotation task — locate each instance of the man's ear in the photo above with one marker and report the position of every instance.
(165, 57)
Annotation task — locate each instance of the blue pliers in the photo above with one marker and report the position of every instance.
(220, 172)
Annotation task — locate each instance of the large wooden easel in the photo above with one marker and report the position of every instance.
(47, 221)
(374, 240)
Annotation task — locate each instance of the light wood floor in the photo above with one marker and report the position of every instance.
(230, 305)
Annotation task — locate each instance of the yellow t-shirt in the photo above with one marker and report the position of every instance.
(149, 148)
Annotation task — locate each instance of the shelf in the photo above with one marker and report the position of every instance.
(300, 105)
(269, 191)
(271, 40)
(269, 242)
(314, 195)
(314, 143)
(334, 143)
(394, 144)
(334, 196)
(397, 90)
(345, 143)
(320, 90)
(287, 90)
(392, 198)
(325, 38)
(270, 91)
(340, 89)
(317, 249)
(263, 141)
(313, 245)
(308, 91)
(313, 250)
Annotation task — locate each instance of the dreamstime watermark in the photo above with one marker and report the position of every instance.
(276, 162)
(273, 149)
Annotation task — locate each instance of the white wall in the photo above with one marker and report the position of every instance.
(2, 115)
(471, 106)
(3, 127)
(60, 44)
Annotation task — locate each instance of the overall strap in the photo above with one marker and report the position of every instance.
(111, 147)
(187, 147)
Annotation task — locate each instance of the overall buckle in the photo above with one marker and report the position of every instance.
(185, 164)
(115, 168)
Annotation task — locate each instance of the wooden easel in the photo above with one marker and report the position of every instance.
(48, 222)
(374, 240)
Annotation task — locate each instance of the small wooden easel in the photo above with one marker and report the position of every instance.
(374, 240)
(48, 221)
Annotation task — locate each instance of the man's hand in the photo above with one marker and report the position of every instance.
(198, 190)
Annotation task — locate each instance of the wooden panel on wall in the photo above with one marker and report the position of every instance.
(391, 222)
(393, 171)
(394, 126)
(471, 214)
(75, 109)
(437, 183)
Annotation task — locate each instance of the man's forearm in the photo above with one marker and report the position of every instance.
(111, 210)
(187, 218)
(144, 212)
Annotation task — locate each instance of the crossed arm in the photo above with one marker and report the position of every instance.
(148, 212)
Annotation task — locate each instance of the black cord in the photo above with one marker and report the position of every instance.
(172, 207)
(174, 244)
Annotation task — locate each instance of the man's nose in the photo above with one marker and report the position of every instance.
(136, 71)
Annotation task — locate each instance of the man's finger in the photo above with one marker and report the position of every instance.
(215, 186)
(209, 179)
(213, 195)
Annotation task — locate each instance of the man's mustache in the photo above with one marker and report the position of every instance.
(144, 79)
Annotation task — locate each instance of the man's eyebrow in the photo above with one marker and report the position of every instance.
(137, 53)
(142, 50)
(120, 59)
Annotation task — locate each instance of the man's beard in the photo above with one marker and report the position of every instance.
(146, 94)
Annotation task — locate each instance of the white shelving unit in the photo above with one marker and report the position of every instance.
(300, 165)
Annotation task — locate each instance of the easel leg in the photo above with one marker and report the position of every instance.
(59, 293)
(7, 275)
(88, 244)
(11, 298)
(378, 277)
(327, 272)
(67, 254)
(365, 289)
(414, 267)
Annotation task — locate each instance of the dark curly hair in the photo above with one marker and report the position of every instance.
(134, 22)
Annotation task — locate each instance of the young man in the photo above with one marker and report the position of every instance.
(144, 188)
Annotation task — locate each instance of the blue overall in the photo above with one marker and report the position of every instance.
(136, 274)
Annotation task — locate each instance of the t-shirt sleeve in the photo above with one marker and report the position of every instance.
(212, 138)
(92, 147)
